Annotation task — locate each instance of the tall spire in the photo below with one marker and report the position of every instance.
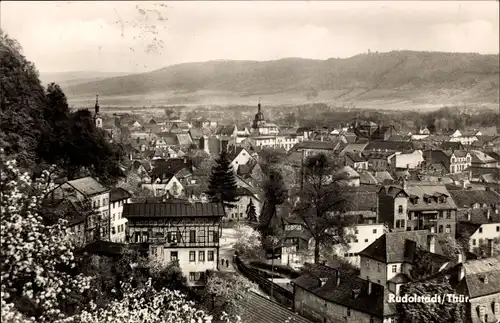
(259, 105)
(96, 104)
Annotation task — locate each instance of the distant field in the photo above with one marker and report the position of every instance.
(375, 99)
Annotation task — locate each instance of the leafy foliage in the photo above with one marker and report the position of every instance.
(39, 127)
(423, 266)
(37, 262)
(222, 183)
(248, 243)
(322, 201)
(223, 294)
(144, 304)
(428, 311)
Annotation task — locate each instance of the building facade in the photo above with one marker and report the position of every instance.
(186, 233)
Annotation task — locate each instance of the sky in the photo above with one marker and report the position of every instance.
(141, 36)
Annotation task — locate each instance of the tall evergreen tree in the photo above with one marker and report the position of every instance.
(251, 212)
(275, 194)
(222, 183)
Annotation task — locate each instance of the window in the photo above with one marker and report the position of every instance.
(192, 236)
(154, 251)
(441, 214)
(346, 255)
(400, 209)
(372, 320)
(473, 242)
(374, 230)
(192, 256)
(366, 240)
(355, 240)
(348, 312)
(192, 276)
(356, 231)
(448, 228)
(440, 229)
(448, 214)
(480, 230)
(201, 256)
(408, 228)
(210, 255)
(215, 236)
(378, 267)
(394, 268)
(173, 256)
(498, 228)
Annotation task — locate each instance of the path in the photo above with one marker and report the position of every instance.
(226, 248)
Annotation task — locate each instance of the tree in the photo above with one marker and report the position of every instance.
(144, 304)
(432, 312)
(223, 294)
(37, 261)
(423, 265)
(22, 100)
(275, 194)
(248, 243)
(251, 212)
(222, 183)
(321, 203)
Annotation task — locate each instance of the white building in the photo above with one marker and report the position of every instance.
(118, 197)
(185, 233)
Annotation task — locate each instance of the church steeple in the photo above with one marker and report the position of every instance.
(258, 121)
(96, 104)
(97, 117)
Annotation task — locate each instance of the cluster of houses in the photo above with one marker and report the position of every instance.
(409, 192)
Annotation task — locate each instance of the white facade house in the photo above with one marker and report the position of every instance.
(362, 236)
(161, 187)
(411, 160)
(118, 197)
(97, 195)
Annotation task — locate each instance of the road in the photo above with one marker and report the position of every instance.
(226, 248)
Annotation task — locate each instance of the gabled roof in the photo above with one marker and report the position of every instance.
(383, 176)
(316, 145)
(373, 304)
(169, 209)
(367, 178)
(466, 198)
(477, 216)
(170, 167)
(389, 146)
(355, 157)
(233, 153)
(362, 201)
(473, 284)
(118, 194)
(422, 191)
(88, 186)
(398, 247)
(256, 308)
(478, 157)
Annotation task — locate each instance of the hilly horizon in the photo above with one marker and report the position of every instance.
(400, 78)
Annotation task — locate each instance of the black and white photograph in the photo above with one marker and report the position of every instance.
(250, 161)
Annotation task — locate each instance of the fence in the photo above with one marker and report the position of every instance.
(282, 295)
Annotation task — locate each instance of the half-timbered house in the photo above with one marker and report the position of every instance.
(187, 233)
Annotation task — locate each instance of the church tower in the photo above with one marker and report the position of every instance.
(97, 116)
(259, 120)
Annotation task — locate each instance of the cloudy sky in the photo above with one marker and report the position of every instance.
(141, 36)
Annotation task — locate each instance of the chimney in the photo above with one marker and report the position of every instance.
(431, 243)
(485, 279)
(323, 281)
(460, 257)
(468, 215)
(488, 214)
(404, 184)
(464, 184)
(369, 287)
(433, 230)
(461, 273)
(338, 279)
